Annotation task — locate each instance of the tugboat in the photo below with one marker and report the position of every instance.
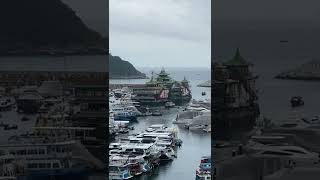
(296, 101)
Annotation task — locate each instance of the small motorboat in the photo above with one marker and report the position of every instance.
(123, 131)
(296, 101)
(169, 104)
(156, 113)
(166, 155)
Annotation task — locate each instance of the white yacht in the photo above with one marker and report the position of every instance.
(43, 157)
(119, 171)
(298, 155)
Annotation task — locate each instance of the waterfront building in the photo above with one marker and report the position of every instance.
(162, 89)
(235, 96)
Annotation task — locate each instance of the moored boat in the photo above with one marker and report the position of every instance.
(203, 172)
(169, 104)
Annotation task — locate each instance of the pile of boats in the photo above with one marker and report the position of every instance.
(143, 152)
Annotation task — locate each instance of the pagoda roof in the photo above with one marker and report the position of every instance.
(152, 81)
(184, 80)
(237, 60)
(163, 73)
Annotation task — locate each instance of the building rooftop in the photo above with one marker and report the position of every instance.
(237, 60)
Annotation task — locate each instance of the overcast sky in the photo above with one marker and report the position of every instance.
(257, 26)
(162, 33)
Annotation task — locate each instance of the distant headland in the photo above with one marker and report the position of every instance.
(307, 71)
(121, 69)
(50, 27)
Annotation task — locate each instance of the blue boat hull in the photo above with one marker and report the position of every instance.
(126, 118)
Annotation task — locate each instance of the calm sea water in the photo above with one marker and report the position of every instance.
(195, 144)
(275, 94)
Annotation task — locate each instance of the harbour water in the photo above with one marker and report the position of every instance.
(274, 94)
(195, 144)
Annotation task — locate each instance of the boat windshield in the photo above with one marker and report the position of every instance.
(139, 152)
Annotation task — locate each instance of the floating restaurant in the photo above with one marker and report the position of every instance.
(235, 96)
(162, 89)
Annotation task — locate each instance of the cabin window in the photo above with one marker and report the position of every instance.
(79, 133)
(113, 168)
(32, 151)
(139, 152)
(32, 165)
(129, 150)
(48, 165)
(42, 165)
(41, 151)
(22, 152)
(13, 152)
(134, 141)
(55, 165)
